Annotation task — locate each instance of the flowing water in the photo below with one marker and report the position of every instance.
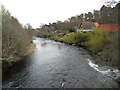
(57, 65)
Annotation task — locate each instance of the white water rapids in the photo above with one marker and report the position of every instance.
(115, 73)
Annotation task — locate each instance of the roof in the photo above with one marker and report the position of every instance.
(95, 23)
(110, 27)
(88, 25)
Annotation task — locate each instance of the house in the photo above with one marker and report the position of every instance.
(86, 26)
(109, 27)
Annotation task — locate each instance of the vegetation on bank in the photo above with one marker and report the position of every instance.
(15, 39)
(73, 38)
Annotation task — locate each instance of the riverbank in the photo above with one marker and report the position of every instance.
(7, 66)
(98, 59)
(17, 58)
(102, 45)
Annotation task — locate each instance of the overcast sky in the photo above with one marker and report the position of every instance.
(36, 12)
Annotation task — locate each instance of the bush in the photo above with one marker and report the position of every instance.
(69, 38)
(97, 40)
(80, 38)
(105, 44)
(111, 52)
(74, 38)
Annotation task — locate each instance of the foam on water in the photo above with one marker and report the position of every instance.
(108, 71)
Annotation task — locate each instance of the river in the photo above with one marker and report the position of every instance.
(57, 65)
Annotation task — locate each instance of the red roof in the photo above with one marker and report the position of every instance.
(110, 27)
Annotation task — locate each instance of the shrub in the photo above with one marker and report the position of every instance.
(111, 51)
(74, 38)
(97, 40)
(104, 43)
(69, 38)
(80, 38)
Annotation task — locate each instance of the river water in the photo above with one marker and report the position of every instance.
(57, 65)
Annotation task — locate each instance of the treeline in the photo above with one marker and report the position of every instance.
(106, 15)
(15, 39)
